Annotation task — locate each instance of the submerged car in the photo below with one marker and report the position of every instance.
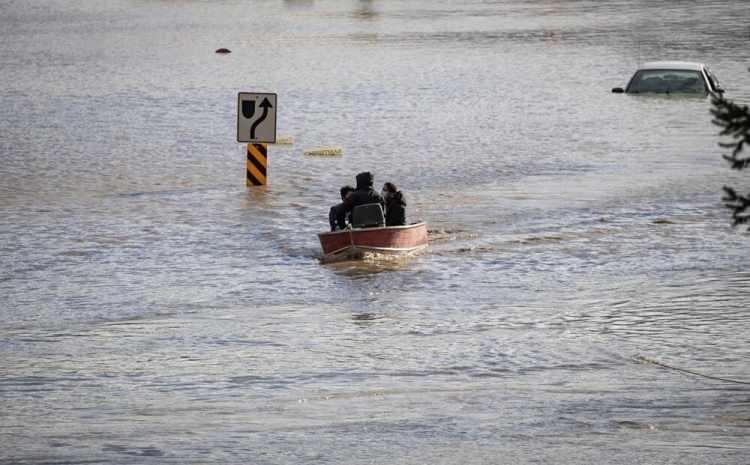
(672, 77)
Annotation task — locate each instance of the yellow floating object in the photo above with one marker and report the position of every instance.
(284, 140)
(325, 151)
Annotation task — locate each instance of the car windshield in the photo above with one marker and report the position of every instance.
(666, 81)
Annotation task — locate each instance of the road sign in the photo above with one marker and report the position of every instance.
(256, 117)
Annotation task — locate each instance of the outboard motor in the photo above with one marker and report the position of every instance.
(369, 215)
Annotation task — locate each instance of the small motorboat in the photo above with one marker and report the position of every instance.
(352, 244)
(369, 235)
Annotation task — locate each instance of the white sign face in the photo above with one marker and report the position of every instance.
(256, 117)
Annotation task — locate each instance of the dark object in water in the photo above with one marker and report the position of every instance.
(223, 50)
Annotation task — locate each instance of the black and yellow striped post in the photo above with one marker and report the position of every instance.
(257, 165)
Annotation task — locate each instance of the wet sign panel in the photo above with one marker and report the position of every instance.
(256, 117)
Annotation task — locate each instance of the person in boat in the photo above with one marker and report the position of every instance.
(338, 213)
(364, 193)
(395, 205)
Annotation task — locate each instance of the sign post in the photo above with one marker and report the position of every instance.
(256, 125)
(256, 167)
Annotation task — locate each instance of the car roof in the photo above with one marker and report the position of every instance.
(672, 65)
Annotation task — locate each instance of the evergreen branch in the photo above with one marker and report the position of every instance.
(735, 122)
(737, 163)
(738, 204)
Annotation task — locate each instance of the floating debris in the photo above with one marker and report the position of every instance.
(284, 140)
(223, 50)
(325, 151)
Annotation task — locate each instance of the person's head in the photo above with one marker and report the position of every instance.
(388, 190)
(345, 191)
(365, 180)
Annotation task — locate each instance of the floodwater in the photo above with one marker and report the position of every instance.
(155, 310)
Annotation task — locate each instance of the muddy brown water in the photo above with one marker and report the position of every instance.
(153, 310)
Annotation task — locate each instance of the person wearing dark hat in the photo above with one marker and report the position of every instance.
(337, 215)
(395, 205)
(364, 193)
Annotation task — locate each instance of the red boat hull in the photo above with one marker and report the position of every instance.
(354, 243)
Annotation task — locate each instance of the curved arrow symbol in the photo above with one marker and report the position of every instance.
(265, 106)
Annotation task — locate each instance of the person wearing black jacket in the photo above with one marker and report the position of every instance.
(395, 205)
(337, 215)
(364, 193)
